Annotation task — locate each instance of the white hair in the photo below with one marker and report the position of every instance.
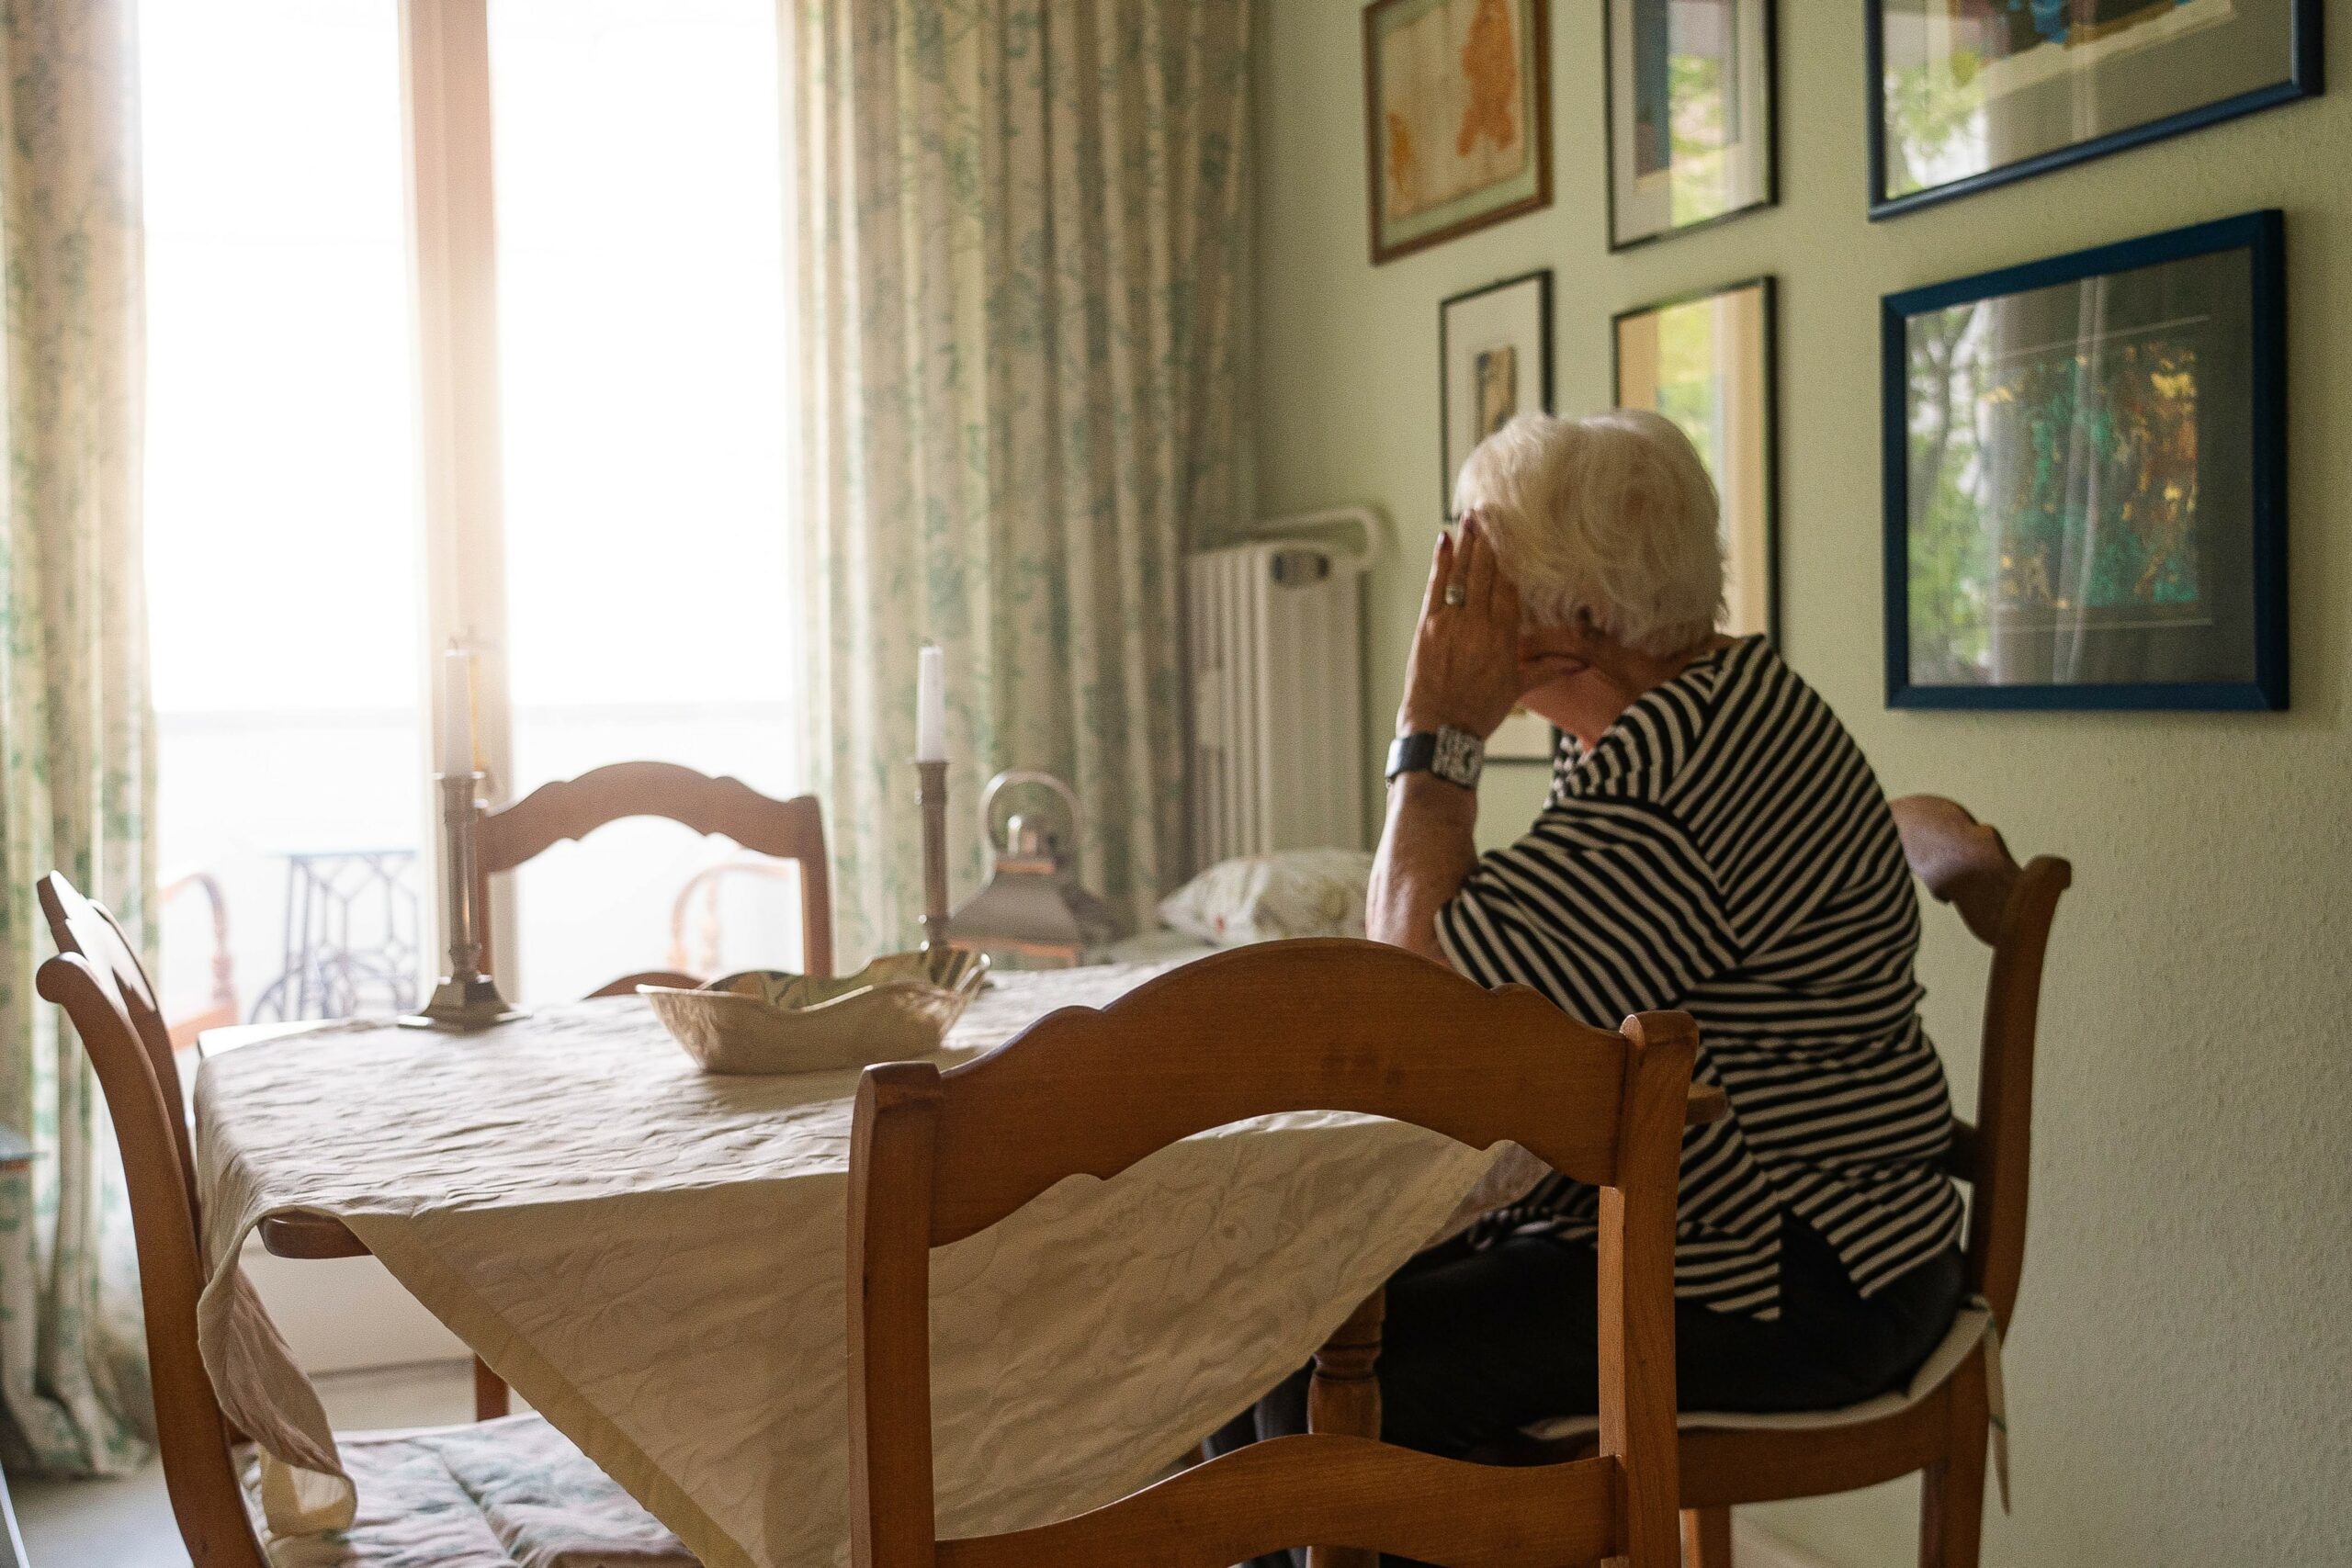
(1612, 515)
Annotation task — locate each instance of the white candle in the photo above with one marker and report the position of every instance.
(931, 706)
(456, 712)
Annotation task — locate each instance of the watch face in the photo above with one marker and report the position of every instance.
(1459, 758)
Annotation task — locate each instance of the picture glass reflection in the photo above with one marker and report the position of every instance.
(1969, 86)
(2080, 483)
(1704, 363)
(1689, 113)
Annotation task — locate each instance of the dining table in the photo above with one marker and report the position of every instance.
(653, 1257)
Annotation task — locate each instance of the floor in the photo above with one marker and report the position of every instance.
(128, 1523)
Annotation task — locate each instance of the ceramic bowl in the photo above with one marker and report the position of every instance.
(767, 1021)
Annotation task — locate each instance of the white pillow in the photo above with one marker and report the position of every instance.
(1290, 893)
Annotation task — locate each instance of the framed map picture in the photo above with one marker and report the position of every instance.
(1689, 115)
(1971, 92)
(1493, 360)
(1457, 117)
(1708, 362)
(2085, 479)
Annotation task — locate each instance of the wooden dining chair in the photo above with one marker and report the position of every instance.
(1939, 1425)
(1281, 1027)
(571, 808)
(220, 1010)
(695, 928)
(79, 926)
(793, 830)
(513, 1490)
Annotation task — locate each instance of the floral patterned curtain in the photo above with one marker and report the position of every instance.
(76, 733)
(1023, 231)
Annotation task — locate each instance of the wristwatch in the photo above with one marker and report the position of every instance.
(1454, 755)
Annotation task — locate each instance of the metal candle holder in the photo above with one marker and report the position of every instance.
(466, 999)
(931, 795)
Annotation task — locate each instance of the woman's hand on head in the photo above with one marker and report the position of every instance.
(1464, 672)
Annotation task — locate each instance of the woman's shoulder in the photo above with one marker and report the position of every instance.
(1654, 741)
(1773, 755)
(1757, 703)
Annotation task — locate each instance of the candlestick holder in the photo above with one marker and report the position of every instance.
(931, 795)
(466, 999)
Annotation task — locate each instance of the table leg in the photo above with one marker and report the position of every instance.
(490, 1392)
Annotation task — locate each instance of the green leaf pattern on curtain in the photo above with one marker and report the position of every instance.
(1023, 232)
(76, 732)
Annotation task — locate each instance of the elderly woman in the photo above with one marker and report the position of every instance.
(1715, 843)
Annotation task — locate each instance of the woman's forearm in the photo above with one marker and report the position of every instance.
(1427, 849)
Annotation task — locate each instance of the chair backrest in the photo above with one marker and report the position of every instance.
(96, 977)
(701, 952)
(78, 925)
(222, 1010)
(2008, 908)
(571, 808)
(1286, 1026)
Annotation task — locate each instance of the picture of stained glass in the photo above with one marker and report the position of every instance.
(2085, 492)
(1689, 113)
(2100, 487)
(1972, 91)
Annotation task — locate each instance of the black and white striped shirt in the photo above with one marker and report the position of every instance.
(1726, 851)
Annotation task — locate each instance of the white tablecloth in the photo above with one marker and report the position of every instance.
(653, 1258)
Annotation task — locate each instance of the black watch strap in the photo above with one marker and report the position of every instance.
(1412, 753)
(1454, 755)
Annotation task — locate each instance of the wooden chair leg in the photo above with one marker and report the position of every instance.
(490, 1392)
(1343, 1397)
(1951, 1493)
(1707, 1538)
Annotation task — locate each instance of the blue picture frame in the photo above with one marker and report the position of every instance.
(2262, 235)
(2305, 79)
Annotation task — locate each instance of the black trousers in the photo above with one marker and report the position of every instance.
(1479, 1344)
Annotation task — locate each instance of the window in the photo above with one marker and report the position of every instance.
(633, 570)
(642, 352)
(283, 556)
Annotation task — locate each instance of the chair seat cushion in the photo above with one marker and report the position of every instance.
(507, 1494)
(1968, 1327)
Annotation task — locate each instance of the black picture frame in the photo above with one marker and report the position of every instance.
(2263, 588)
(1448, 460)
(1769, 286)
(2305, 79)
(1609, 94)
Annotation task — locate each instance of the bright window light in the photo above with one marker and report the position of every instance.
(645, 361)
(283, 557)
(635, 152)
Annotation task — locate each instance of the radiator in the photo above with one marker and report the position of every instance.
(1275, 639)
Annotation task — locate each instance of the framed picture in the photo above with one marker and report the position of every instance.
(1523, 738)
(1493, 360)
(2085, 479)
(1967, 94)
(1709, 362)
(1691, 114)
(1457, 117)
